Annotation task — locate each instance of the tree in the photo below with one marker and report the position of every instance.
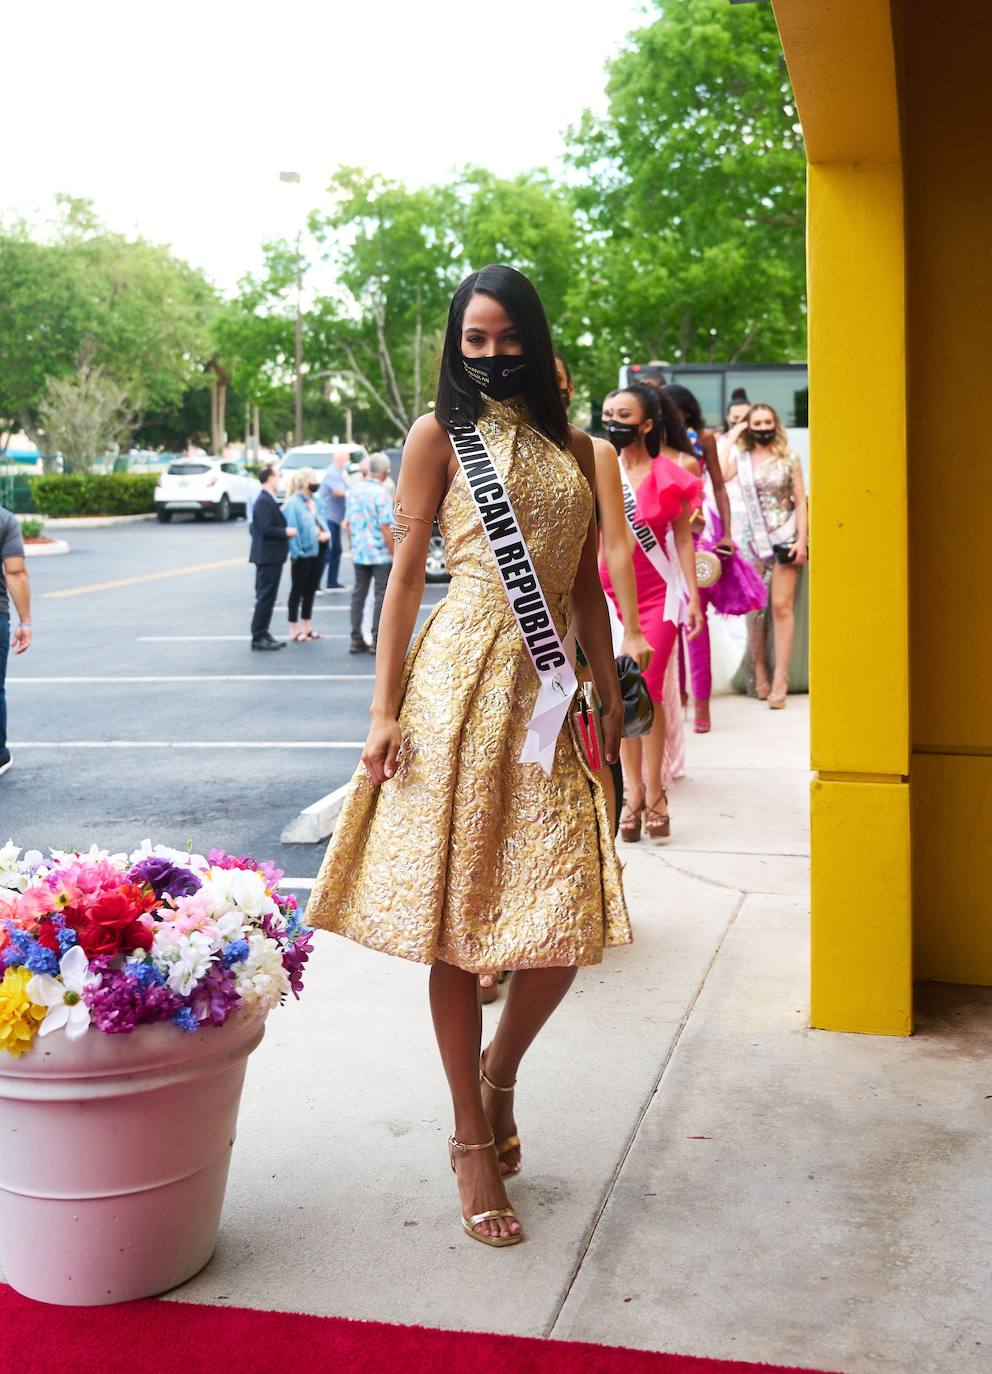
(692, 200)
(397, 260)
(85, 416)
(126, 306)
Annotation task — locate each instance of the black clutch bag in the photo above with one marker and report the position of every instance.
(638, 708)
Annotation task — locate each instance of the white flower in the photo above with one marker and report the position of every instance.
(180, 857)
(261, 980)
(184, 959)
(238, 889)
(12, 873)
(64, 999)
(231, 926)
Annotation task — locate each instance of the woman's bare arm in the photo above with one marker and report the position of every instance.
(687, 559)
(711, 461)
(802, 514)
(427, 469)
(618, 545)
(590, 616)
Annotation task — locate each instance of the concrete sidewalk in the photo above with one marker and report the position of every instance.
(702, 1173)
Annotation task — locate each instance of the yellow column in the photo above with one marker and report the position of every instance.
(841, 62)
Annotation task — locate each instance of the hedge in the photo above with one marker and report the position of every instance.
(117, 493)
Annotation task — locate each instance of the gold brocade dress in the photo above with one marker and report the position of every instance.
(468, 855)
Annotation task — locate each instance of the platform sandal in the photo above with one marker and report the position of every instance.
(659, 827)
(630, 825)
(470, 1223)
(512, 1142)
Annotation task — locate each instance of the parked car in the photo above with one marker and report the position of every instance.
(204, 486)
(318, 457)
(435, 569)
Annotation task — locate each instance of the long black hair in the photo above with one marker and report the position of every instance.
(685, 401)
(458, 401)
(655, 405)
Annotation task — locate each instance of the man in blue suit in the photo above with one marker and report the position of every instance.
(270, 536)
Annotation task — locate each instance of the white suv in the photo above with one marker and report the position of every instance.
(317, 457)
(204, 486)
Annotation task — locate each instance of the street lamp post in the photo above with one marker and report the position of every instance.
(293, 178)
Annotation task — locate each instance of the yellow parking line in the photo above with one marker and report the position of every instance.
(146, 577)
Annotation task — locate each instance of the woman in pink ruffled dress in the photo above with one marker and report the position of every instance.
(661, 494)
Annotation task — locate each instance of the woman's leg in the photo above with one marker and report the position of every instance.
(533, 996)
(311, 581)
(782, 599)
(757, 630)
(663, 636)
(296, 580)
(458, 1027)
(700, 666)
(632, 759)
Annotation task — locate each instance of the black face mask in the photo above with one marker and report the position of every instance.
(621, 435)
(762, 436)
(314, 487)
(499, 377)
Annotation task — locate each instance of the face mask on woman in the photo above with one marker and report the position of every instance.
(500, 377)
(622, 435)
(762, 436)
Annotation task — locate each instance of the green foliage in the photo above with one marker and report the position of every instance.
(117, 493)
(85, 415)
(32, 529)
(136, 311)
(692, 200)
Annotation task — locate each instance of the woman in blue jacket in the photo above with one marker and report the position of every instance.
(306, 552)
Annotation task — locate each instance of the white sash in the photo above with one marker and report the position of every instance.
(665, 564)
(550, 656)
(761, 538)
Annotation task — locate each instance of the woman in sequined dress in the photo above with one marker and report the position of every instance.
(449, 850)
(778, 481)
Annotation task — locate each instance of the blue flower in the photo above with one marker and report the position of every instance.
(185, 1019)
(66, 934)
(145, 973)
(236, 953)
(26, 952)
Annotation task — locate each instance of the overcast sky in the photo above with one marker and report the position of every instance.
(176, 118)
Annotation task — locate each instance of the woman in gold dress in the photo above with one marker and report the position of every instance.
(449, 849)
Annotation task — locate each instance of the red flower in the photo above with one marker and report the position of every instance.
(109, 924)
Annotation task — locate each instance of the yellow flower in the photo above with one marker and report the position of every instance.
(19, 1017)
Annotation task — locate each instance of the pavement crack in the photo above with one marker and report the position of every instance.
(655, 1088)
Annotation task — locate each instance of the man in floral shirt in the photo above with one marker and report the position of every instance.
(369, 517)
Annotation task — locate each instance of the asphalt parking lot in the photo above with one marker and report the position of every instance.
(140, 709)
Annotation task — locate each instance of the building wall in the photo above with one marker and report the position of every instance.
(943, 54)
(894, 100)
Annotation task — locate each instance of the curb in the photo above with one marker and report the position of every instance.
(88, 522)
(49, 550)
(315, 822)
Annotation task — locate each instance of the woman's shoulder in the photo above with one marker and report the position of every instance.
(427, 431)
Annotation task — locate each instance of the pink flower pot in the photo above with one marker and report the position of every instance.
(114, 1151)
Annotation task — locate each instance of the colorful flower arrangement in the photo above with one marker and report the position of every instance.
(121, 941)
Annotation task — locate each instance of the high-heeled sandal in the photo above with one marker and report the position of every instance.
(701, 718)
(630, 825)
(470, 1223)
(659, 827)
(512, 1142)
(762, 690)
(776, 700)
(489, 994)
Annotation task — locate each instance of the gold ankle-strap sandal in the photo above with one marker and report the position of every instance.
(457, 1147)
(512, 1142)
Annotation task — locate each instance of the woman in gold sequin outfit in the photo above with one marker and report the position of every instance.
(449, 850)
(778, 481)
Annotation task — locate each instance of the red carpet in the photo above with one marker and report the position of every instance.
(153, 1337)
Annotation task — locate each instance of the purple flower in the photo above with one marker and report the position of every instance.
(294, 959)
(121, 1001)
(214, 997)
(165, 877)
